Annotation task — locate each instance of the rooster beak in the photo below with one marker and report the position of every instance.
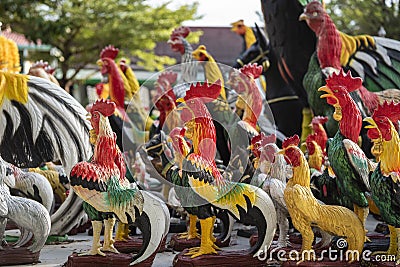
(88, 116)
(303, 16)
(281, 152)
(329, 93)
(99, 63)
(180, 101)
(250, 147)
(372, 124)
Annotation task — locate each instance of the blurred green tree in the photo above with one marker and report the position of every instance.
(366, 17)
(79, 29)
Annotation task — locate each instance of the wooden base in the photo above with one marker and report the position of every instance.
(222, 259)
(374, 263)
(110, 260)
(134, 244)
(180, 244)
(320, 263)
(17, 256)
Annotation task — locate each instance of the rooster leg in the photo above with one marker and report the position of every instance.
(307, 234)
(3, 222)
(212, 237)
(362, 214)
(122, 232)
(283, 224)
(392, 245)
(206, 244)
(97, 225)
(192, 231)
(108, 241)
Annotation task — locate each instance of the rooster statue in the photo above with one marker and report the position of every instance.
(130, 124)
(101, 183)
(374, 59)
(347, 160)
(206, 184)
(385, 180)
(203, 189)
(165, 103)
(305, 210)
(274, 174)
(31, 217)
(188, 71)
(44, 70)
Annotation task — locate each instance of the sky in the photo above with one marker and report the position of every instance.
(220, 12)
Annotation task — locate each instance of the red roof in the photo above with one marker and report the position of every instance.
(20, 39)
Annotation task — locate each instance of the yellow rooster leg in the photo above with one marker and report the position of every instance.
(212, 237)
(392, 245)
(108, 241)
(307, 252)
(122, 232)
(95, 250)
(192, 231)
(206, 244)
(362, 214)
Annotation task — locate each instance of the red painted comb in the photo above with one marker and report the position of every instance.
(167, 77)
(345, 80)
(389, 110)
(269, 139)
(291, 141)
(40, 64)
(204, 90)
(181, 31)
(257, 138)
(310, 138)
(109, 52)
(319, 120)
(252, 70)
(105, 106)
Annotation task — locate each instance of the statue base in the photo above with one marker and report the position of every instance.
(110, 260)
(375, 262)
(17, 256)
(222, 259)
(180, 244)
(320, 263)
(134, 244)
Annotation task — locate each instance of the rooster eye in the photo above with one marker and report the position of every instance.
(315, 14)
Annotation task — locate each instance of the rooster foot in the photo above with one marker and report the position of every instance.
(187, 235)
(216, 247)
(198, 251)
(110, 248)
(93, 251)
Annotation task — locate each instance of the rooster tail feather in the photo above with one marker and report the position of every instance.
(153, 222)
(266, 224)
(31, 216)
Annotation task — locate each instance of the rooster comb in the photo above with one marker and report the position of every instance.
(105, 106)
(319, 120)
(389, 110)
(109, 52)
(167, 76)
(291, 141)
(205, 90)
(344, 80)
(310, 138)
(252, 70)
(181, 31)
(257, 138)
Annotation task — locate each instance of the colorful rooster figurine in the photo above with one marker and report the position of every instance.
(306, 211)
(107, 194)
(346, 158)
(385, 180)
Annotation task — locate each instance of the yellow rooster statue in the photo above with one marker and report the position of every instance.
(306, 212)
